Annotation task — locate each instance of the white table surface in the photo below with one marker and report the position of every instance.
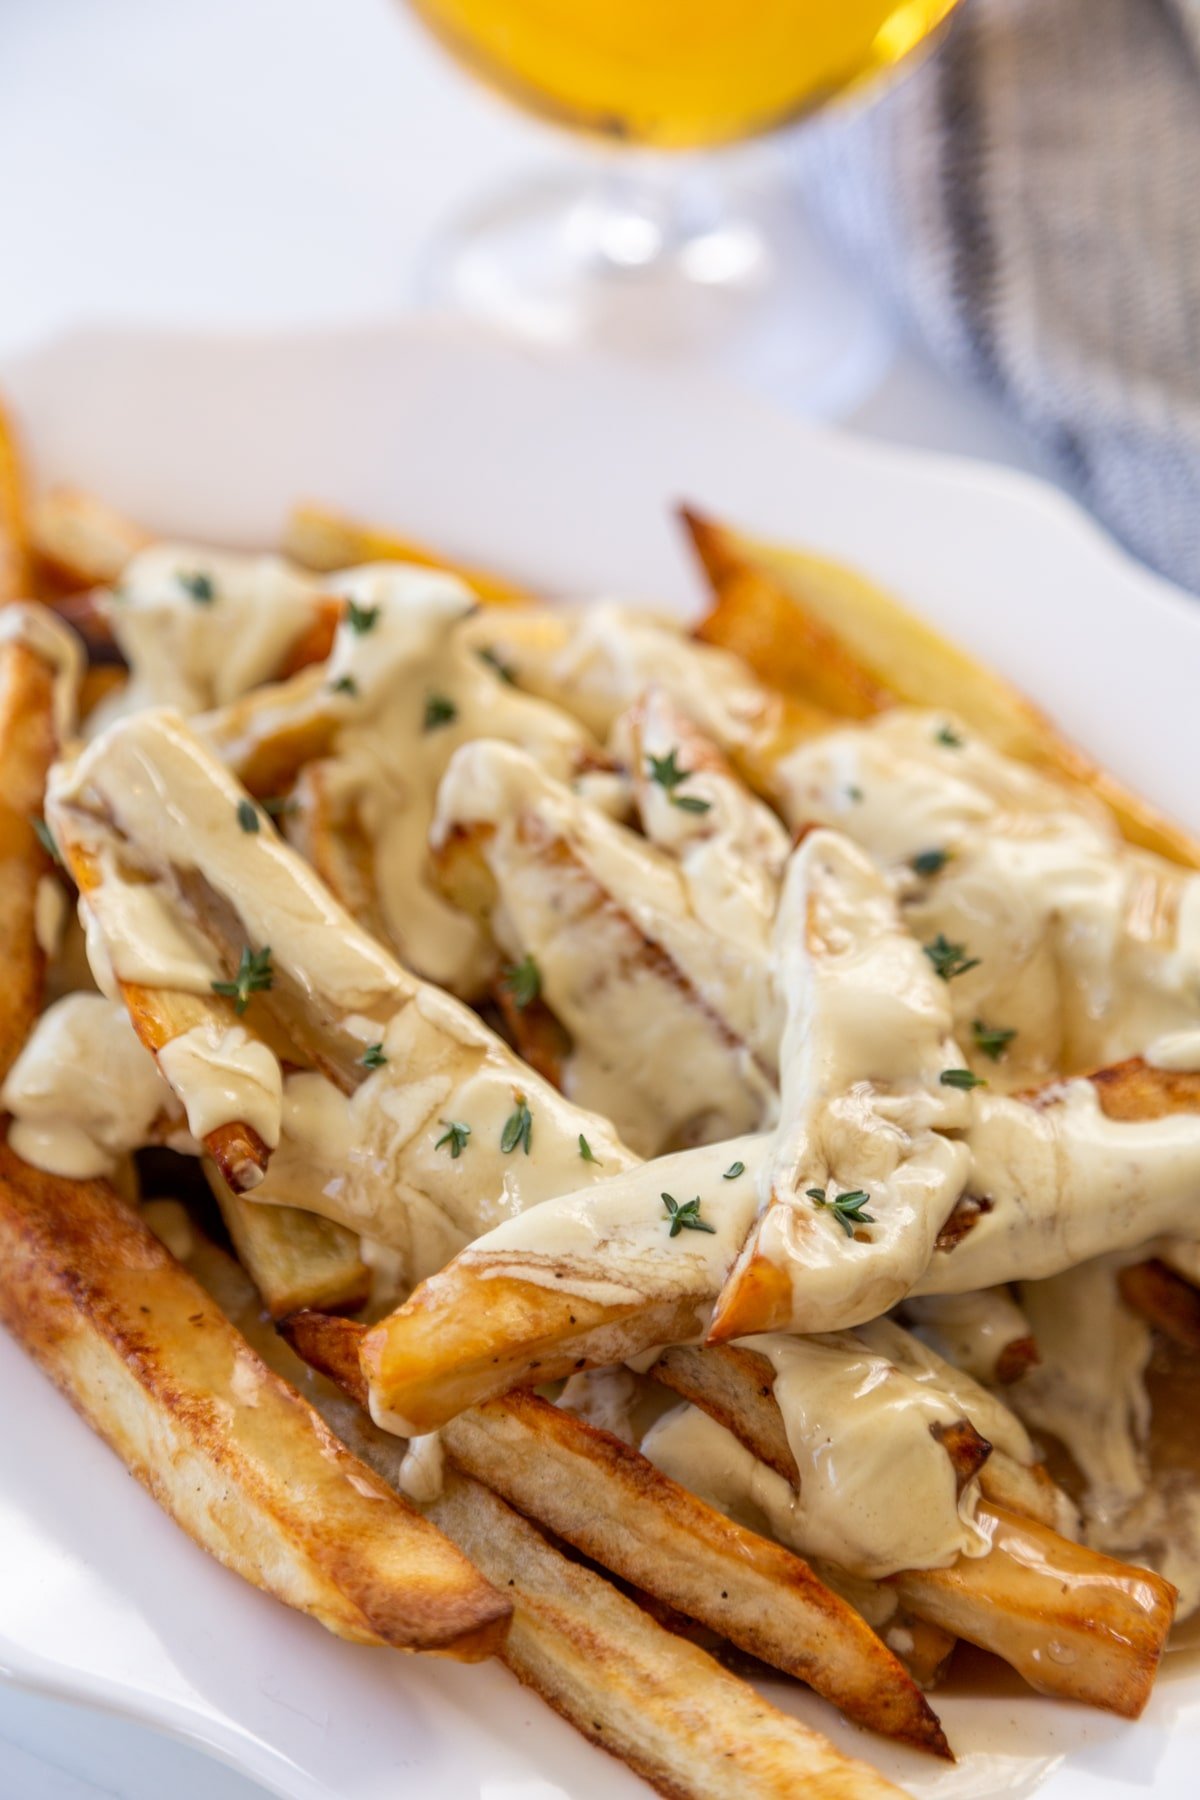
(261, 162)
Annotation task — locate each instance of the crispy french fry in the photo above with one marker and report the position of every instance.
(16, 575)
(653, 1699)
(40, 664)
(779, 608)
(233, 1453)
(1032, 1588)
(295, 1259)
(27, 747)
(1134, 1090)
(607, 1500)
(1108, 1622)
(539, 1038)
(321, 539)
(1165, 1299)
(462, 1338)
(101, 681)
(80, 542)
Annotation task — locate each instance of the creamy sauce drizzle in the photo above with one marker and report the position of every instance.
(1063, 1183)
(868, 1036)
(40, 631)
(624, 961)
(199, 627)
(1086, 945)
(83, 1092)
(223, 1075)
(372, 1157)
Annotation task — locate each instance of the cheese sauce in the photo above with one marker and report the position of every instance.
(623, 960)
(1086, 948)
(198, 626)
(402, 690)
(42, 633)
(877, 1491)
(865, 1112)
(1060, 1183)
(83, 1092)
(414, 1061)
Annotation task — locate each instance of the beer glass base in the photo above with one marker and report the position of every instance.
(658, 260)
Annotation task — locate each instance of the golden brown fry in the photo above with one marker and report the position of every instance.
(567, 1631)
(611, 1503)
(80, 542)
(462, 1338)
(1134, 1090)
(1107, 1622)
(606, 1499)
(16, 574)
(1033, 1588)
(539, 1037)
(226, 1447)
(778, 608)
(661, 1704)
(1165, 1299)
(159, 1016)
(28, 745)
(295, 1259)
(321, 539)
(101, 681)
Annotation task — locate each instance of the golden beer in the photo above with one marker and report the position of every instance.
(674, 73)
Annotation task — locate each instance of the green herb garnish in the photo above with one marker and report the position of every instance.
(854, 793)
(961, 1078)
(373, 1057)
(949, 959)
(670, 777)
(254, 976)
(518, 1128)
(993, 1040)
(455, 1134)
(523, 981)
(685, 1217)
(345, 684)
(929, 862)
(494, 662)
(247, 815)
(733, 1171)
(947, 735)
(847, 1209)
(200, 587)
(439, 711)
(45, 838)
(586, 1151)
(361, 618)
(278, 807)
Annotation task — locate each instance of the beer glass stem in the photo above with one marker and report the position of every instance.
(702, 261)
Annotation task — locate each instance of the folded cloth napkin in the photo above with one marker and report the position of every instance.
(1029, 198)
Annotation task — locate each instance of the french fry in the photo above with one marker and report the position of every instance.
(1165, 1299)
(1107, 1620)
(27, 747)
(606, 1499)
(79, 542)
(40, 664)
(16, 575)
(1033, 1586)
(295, 1259)
(323, 540)
(233, 1453)
(658, 1702)
(1052, 1172)
(828, 635)
(160, 1015)
(577, 891)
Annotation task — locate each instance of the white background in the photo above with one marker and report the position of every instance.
(263, 162)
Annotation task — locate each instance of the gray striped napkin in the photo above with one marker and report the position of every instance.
(1029, 199)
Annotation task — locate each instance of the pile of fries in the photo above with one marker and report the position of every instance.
(530, 1164)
